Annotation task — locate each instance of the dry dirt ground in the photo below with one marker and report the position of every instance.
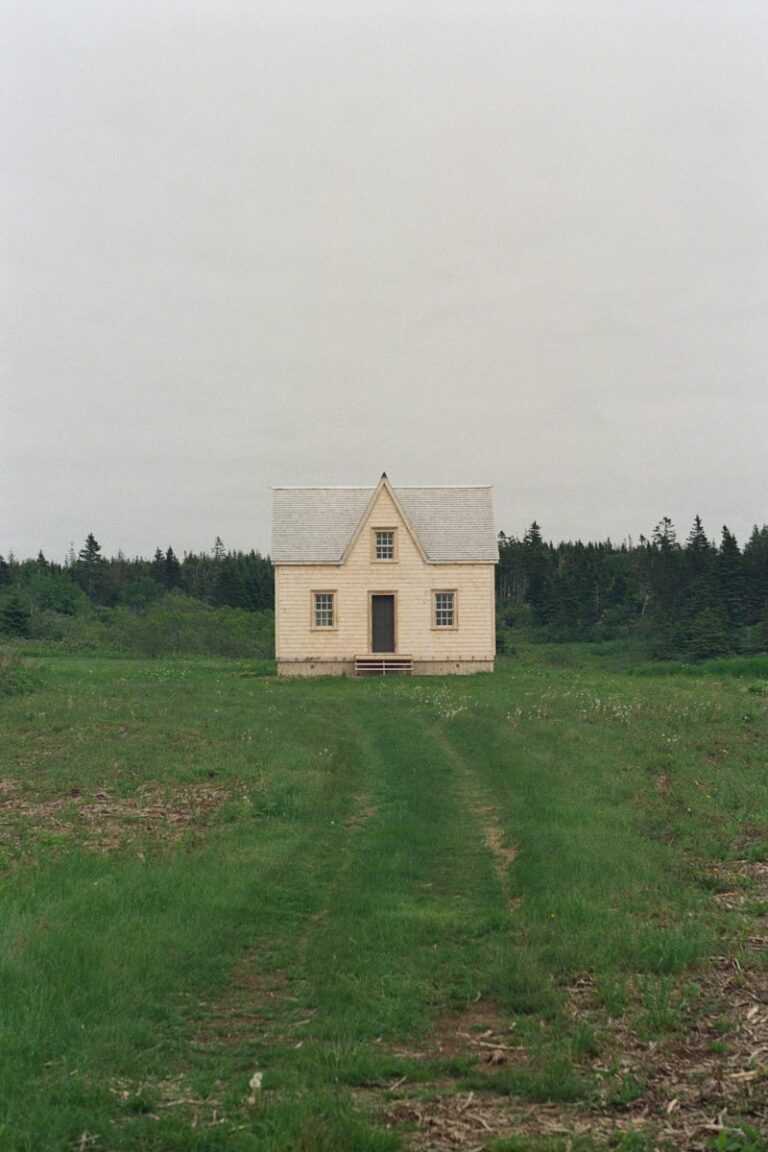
(101, 821)
(709, 1076)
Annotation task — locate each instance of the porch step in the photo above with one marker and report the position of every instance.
(383, 665)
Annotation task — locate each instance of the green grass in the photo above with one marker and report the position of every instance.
(206, 871)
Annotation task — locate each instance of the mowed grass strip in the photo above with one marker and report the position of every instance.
(344, 901)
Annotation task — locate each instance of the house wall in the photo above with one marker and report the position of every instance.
(302, 650)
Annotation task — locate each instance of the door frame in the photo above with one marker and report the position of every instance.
(382, 592)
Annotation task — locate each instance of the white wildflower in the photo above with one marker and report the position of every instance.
(255, 1086)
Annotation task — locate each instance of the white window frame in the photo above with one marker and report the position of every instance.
(439, 610)
(316, 609)
(377, 546)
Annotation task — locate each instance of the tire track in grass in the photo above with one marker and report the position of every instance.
(482, 806)
(258, 1002)
(413, 895)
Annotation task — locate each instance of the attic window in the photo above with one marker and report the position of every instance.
(384, 544)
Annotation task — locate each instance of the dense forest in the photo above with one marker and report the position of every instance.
(696, 599)
(692, 599)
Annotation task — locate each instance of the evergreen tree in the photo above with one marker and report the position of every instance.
(700, 570)
(157, 568)
(760, 635)
(666, 590)
(730, 570)
(15, 618)
(755, 564)
(708, 634)
(538, 590)
(171, 570)
(90, 569)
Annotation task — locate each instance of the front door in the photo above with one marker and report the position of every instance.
(382, 623)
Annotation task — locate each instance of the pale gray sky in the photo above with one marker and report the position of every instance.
(245, 243)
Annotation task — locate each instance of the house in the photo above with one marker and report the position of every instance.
(384, 579)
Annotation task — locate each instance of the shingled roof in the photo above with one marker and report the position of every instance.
(316, 525)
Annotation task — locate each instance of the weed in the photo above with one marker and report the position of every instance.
(584, 1044)
(660, 1012)
(16, 676)
(745, 1139)
(626, 1091)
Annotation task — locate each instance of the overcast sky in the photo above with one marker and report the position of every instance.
(251, 243)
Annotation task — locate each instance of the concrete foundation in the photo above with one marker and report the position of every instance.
(347, 667)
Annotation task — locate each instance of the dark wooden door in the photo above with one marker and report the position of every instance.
(382, 623)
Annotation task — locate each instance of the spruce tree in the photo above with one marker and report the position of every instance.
(15, 617)
(755, 560)
(171, 570)
(730, 571)
(90, 569)
(157, 567)
(538, 586)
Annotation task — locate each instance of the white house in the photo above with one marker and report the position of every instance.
(381, 580)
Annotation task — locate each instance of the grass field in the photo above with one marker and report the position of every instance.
(518, 911)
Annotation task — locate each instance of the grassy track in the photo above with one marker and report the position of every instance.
(384, 896)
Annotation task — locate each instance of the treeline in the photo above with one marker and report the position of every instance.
(696, 599)
(220, 602)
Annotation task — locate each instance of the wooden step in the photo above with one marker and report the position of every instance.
(383, 665)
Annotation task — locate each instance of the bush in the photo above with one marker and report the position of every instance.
(15, 677)
(182, 625)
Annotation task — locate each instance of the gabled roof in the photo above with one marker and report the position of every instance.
(317, 525)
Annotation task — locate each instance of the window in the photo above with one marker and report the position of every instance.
(384, 543)
(445, 610)
(324, 610)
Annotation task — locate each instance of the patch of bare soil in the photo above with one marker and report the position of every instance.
(362, 812)
(493, 835)
(103, 822)
(255, 1004)
(153, 1097)
(480, 1032)
(709, 1076)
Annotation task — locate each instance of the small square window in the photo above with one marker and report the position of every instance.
(384, 544)
(445, 610)
(324, 610)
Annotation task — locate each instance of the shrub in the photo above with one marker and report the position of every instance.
(15, 677)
